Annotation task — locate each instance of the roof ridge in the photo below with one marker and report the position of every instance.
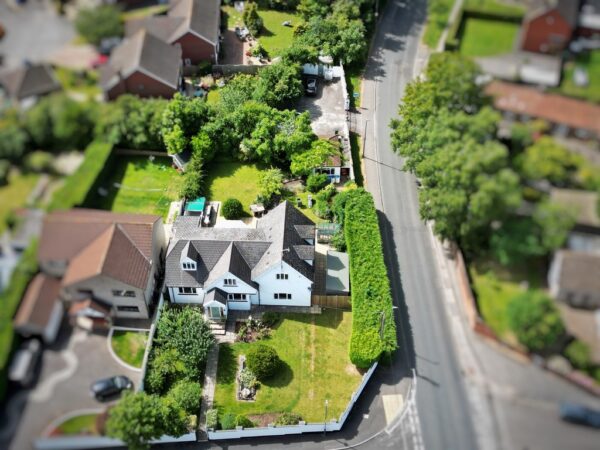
(112, 229)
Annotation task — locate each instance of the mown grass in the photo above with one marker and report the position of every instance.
(79, 425)
(590, 62)
(130, 346)
(14, 194)
(438, 12)
(482, 37)
(139, 185)
(314, 349)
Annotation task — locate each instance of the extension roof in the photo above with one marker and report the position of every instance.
(146, 53)
(579, 271)
(38, 302)
(28, 80)
(245, 252)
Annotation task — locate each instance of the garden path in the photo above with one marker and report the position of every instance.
(208, 389)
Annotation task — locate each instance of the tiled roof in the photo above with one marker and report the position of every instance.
(579, 271)
(552, 107)
(38, 302)
(29, 80)
(202, 17)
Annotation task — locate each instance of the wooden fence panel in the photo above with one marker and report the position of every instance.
(332, 301)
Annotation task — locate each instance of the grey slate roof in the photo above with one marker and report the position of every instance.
(245, 252)
(28, 80)
(145, 52)
(338, 273)
(305, 231)
(217, 295)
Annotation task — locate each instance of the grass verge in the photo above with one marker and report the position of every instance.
(78, 425)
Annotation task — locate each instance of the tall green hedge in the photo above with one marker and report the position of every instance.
(77, 186)
(10, 299)
(371, 297)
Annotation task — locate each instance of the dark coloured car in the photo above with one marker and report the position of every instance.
(311, 87)
(110, 387)
(579, 414)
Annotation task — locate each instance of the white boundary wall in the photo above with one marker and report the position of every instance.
(89, 442)
(334, 425)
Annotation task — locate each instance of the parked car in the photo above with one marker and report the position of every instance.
(311, 87)
(108, 44)
(109, 387)
(99, 61)
(24, 365)
(580, 414)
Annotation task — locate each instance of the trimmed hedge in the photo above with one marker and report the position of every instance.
(10, 299)
(77, 185)
(371, 295)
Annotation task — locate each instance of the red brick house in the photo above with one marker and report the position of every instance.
(549, 28)
(193, 24)
(143, 65)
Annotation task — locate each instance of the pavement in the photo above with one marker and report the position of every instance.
(68, 369)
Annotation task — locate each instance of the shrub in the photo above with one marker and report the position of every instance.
(186, 395)
(263, 361)
(243, 421)
(535, 321)
(371, 295)
(39, 162)
(338, 241)
(315, 182)
(232, 209)
(228, 421)
(270, 318)
(212, 419)
(248, 379)
(251, 19)
(4, 171)
(579, 354)
(288, 418)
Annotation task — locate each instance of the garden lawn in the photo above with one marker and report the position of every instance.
(233, 179)
(274, 37)
(130, 346)
(314, 349)
(495, 286)
(495, 6)
(437, 17)
(14, 194)
(591, 63)
(308, 212)
(78, 425)
(138, 185)
(482, 37)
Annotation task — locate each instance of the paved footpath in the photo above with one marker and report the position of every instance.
(208, 389)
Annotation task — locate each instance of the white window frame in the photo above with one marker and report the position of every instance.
(237, 297)
(282, 296)
(229, 282)
(182, 290)
(282, 276)
(188, 266)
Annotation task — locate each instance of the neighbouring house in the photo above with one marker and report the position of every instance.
(588, 25)
(573, 279)
(143, 65)
(193, 24)
(98, 265)
(333, 168)
(566, 115)
(24, 85)
(549, 27)
(237, 268)
(41, 311)
(526, 67)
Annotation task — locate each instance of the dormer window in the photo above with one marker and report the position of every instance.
(229, 282)
(188, 266)
(282, 276)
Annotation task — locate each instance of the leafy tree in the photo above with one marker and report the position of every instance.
(193, 183)
(203, 147)
(236, 92)
(186, 395)
(137, 419)
(535, 321)
(182, 119)
(13, 142)
(312, 8)
(98, 23)
(166, 366)
(232, 209)
(320, 152)
(279, 85)
(251, 19)
(263, 361)
(270, 183)
(316, 181)
(555, 222)
(175, 141)
(548, 160)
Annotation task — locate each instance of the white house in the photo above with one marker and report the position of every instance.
(235, 268)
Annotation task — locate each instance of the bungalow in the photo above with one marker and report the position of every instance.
(25, 84)
(193, 24)
(236, 268)
(97, 265)
(549, 28)
(143, 65)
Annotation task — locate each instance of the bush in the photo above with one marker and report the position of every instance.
(535, 321)
(263, 361)
(371, 295)
(228, 421)
(212, 419)
(270, 318)
(232, 209)
(288, 418)
(579, 354)
(315, 182)
(338, 241)
(251, 19)
(39, 162)
(4, 171)
(186, 395)
(248, 379)
(243, 421)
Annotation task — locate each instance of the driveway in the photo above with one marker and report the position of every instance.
(68, 369)
(33, 31)
(326, 109)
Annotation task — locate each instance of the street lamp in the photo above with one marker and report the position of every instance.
(325, 423)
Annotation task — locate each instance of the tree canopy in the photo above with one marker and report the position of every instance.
(95, 24)
(320, 152)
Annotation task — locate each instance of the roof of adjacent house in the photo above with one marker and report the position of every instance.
(38, 302)
(578, 271)
(29, 80)
(552, 107)
(200, 17)
(584, 325)
(244, 252)
(146, 53)
(99, 242)
(568, 9)
(583, 203)
(528, 67)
